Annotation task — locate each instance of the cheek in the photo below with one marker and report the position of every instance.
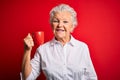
(69, 28)
(54, 26)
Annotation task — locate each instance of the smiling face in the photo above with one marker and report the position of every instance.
(62, 24)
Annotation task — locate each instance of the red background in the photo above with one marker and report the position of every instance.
(99, 27)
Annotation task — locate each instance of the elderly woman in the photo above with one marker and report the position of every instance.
(62, 58)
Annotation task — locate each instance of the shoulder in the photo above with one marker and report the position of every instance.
(80, 43)
(82, 46)
(45, 45)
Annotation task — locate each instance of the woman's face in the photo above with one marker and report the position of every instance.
(62, 24)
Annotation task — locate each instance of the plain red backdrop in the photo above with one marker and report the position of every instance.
(99, 27)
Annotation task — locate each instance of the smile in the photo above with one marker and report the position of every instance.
(60, 30)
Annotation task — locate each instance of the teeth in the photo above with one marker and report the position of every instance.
(59, 30)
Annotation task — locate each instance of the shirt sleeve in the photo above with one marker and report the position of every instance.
(36, 66)
(89, 71)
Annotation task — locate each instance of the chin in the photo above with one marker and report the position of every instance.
(59, 36)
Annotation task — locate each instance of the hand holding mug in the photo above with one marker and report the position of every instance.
(36, 38)
(28, 42)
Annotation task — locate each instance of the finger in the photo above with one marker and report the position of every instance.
(29, 36)
(32, 43)
(28, 40)
(29, 43)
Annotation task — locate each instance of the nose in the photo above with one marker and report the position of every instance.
(60, 24)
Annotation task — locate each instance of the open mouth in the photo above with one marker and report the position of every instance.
(60, 30)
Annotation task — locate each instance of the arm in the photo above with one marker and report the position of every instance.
(89, 70)
(26, 66)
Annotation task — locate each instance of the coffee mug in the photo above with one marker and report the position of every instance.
(38, 37)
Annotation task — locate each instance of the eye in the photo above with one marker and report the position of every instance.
(55, 21)
(65, 21)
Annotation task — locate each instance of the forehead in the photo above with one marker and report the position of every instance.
(62, 15)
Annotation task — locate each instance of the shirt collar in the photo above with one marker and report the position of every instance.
(71, 42)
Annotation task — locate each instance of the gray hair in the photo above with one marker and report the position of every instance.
(64, 7)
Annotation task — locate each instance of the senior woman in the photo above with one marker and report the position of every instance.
(62, 58)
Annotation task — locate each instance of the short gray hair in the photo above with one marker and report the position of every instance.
(65, 7)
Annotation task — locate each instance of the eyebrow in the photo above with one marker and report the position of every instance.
(58, 19)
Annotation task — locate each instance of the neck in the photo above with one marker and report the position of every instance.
(64, 40)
